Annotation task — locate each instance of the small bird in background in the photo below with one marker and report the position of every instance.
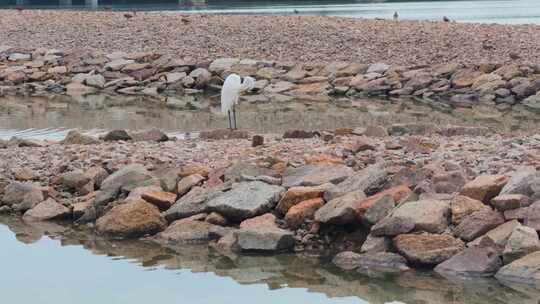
(129, 16)
(396, 16)
(296, 11)
(185, 20)
(446, 19)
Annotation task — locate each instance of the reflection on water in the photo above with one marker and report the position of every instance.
(49, 263)
(51, 118)
(499, 11)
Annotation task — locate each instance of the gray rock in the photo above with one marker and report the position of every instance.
(525, 270)
(392, 226)
(368, 179)
(30, 200)
(522, 182)
(234, 173)
(376, 244)
(532, 216)
(96, 81)
(498, 235)
(74, 180)
(471, 262)
(74, 137)
(341, 210)
(194, 202)
(377, 68)
(382, 261)
(246, 200)
(16, 191)
(477, 224)
(428, 215)
(315, 175)
(379, 210)
(522, 241)
(117, 64)
(115, 135)
(127, 177)
(264, 238)
(47, 210)
(189, 231)
(221, 65)
(188, 182)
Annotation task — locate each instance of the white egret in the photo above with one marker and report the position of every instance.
(230, 92)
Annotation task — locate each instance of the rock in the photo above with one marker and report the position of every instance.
(223, 134)
(427, 249)
(47, 210)
(449, 182)
(377, 68)
(76, 89)
(257, 140)
(295, 195)
(532, 216)
(161, 199)
(315, 175)
(30, 200)
(299, 213)
(216, 219)
(471, 262)
(510, 201)
(525, 270)
(267, 219)
(341, 210)
(522, 182)
(130, 220)
(189, 231)
(392, 226)
(24, 174)
(516, 214)
(74, 180)
(376, 244)
(375, 131)
(378, 210)
(478, 223)
(499, 235)
(127, 178)
(368, 179)
(188, 182)
(235, 172)
(115, 135)
(264, 239)
(461, 206)
(15, 192)
(19, 57)
(522, 241)
(221, 65)
(298, 134)
(428, 215)
(246, 200)
(347, 260)
(74, 137)
(150, 135)
(194, 202)
(382, 261)
(484, 187)
(117, 64)
(97, 81)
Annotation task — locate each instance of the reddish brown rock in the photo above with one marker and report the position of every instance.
(266, 219)
(484, 187)
(505, 202)
(478, 223)
(302, 211)
(461, 206)
(427, 249)
(161, 199)
(398, 193)
(133, 219)
(296, 195)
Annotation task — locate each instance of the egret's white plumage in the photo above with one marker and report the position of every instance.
(230, 92)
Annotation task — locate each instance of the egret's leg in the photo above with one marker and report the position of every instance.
(234, 116)
(230, 121)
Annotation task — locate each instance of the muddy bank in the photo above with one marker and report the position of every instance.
(461, 200)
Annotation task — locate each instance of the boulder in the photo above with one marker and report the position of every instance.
(376, 244)
(74, 137)
(522, 182)
(367, 180)
(505, 202)
(341, 210)
(428, 215)
(522, 241)
(74, 180)
(525, 270)
(499, 235)
(393, 225)
(130, 220)
(150, 135)
(461, 206)
(116, 135)
(374, 203)
(378, 210)
(532, 216)
(471, 262)
(427, 249)
(47, 210)
(302, 211)
(127, 177)
(235, 172)
(477, 224)
(15, 192)
(484, 187)
(194, 202)
(264, 238)
(188, 182)
(161, 199)
(30, 200)
(246, 200)
(189, 231)
(298, 134)
(315, 175)
(295, 195)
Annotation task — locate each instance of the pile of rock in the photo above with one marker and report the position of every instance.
(159, 76)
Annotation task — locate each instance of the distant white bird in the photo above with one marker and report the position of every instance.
(230, 92)
(396, 16)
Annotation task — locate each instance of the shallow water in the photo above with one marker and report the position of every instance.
(50, 263)
(487, 11)
(52, 117)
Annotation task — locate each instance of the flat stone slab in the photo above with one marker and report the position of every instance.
(315, 175)
(525, 270)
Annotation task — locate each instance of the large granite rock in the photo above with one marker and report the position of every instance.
(506, 202)
(484, 187)
(235, 172)
(367, 180)
(428, 215)
(522, 241)
(315, 175)
(302, 211)
(133, 219)
(246, 200)
(471, 262)
(127, 178)
(194, 202)
(15, 192)
(264, 238)
(461, 206)
(377, 206)
(522, 182)
(74, 137)
(525, 270)
(189, 231)
(477, 224)
(532, 216)
(296, 195)
(47, 210)
(341, 210)
(427, 249)
(393, 225)
(376, 244)
(498, 235)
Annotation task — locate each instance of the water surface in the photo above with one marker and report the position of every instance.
(50, 263)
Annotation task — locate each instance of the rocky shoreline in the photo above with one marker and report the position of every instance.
(167, 78)
(461, 200)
